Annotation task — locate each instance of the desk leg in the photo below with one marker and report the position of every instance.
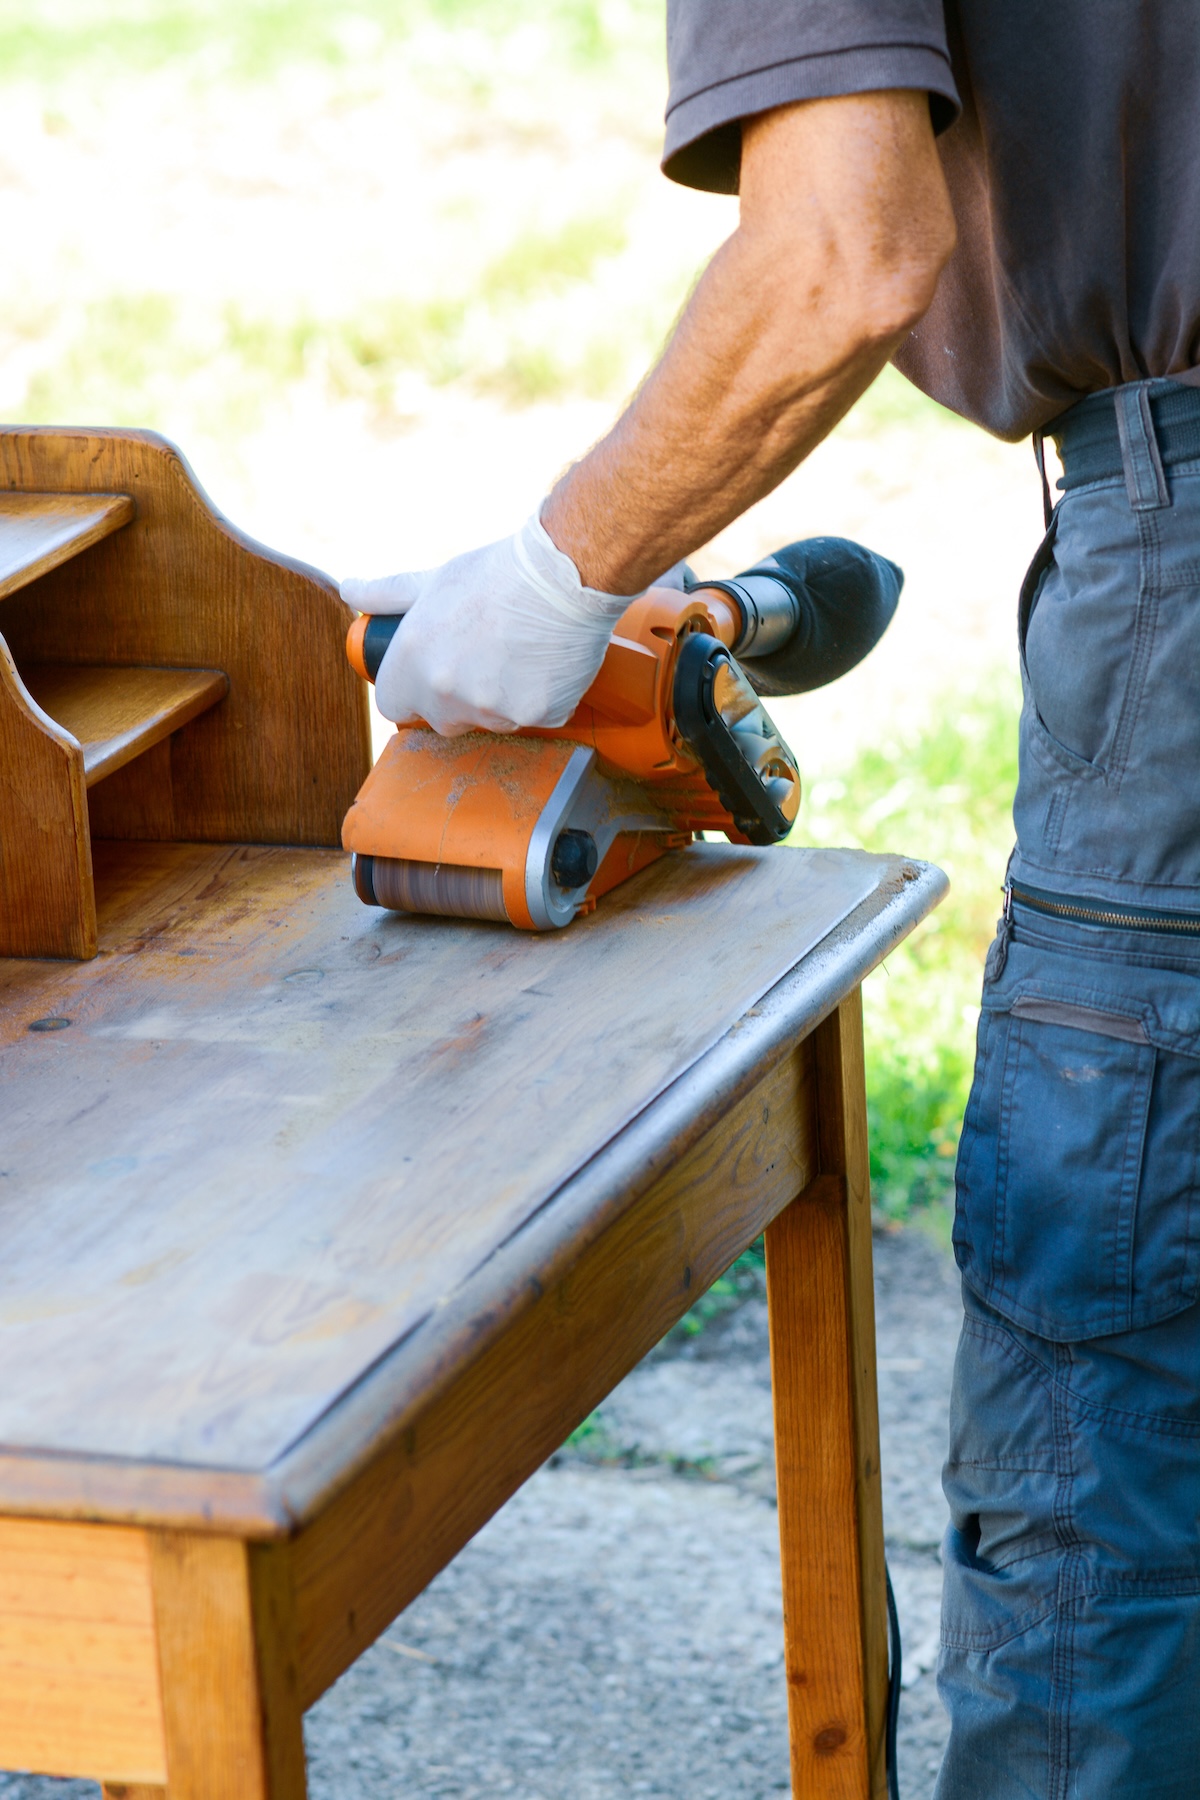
(226, 1646)
(822, 1320)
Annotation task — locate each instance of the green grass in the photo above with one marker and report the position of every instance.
(509, 331)
(526, 324)
(504, 330)
(745, 1278)
(944, 794)
(892, 400)
(537, 260)
(254, 39)
(122, 353)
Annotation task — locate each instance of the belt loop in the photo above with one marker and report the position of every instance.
(1039, 457)
(1145, 482)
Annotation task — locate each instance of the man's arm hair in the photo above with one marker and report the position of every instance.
(844, 227)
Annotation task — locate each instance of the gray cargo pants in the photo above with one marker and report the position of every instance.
(1071, 1615)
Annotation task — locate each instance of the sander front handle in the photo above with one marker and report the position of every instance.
(367, 641)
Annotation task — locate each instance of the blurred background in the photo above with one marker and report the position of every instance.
(382, 269)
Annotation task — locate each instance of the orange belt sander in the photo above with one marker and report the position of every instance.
(670, 740)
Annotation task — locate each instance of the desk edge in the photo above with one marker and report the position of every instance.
(416, 1370)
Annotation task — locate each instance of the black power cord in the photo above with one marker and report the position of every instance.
(892, 1717)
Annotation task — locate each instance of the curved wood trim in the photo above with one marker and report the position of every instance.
(47, 906)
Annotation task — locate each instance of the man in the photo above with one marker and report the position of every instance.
(1057, 141)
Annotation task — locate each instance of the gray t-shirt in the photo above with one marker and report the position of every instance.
(1070, 137)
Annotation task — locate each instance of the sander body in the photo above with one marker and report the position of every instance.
(671, 740)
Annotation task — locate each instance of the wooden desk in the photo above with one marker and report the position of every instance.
(322, 1228)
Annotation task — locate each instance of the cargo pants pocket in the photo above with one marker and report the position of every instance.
(1076, 1208)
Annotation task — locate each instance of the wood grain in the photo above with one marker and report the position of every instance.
(585, 1326)
(821, 1308)
(282, 758)
(135, 801)
(79, 1682)
(231, 1718)
(296, 1124)
(115, 714)
(40, 531)
(845, 1151)
(47, 907)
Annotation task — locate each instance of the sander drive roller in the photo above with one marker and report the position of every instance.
(417, 887)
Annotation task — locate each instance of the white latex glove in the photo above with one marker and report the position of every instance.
(500, 637)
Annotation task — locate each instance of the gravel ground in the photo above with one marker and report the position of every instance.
(616, 1628)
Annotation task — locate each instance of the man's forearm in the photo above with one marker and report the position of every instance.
(708, 435)
(844, 226)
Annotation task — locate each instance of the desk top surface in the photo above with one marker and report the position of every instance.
(280, 1130)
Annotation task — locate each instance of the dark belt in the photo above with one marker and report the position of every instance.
(1090, 448)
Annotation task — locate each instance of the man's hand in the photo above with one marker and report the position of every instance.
(501, 637)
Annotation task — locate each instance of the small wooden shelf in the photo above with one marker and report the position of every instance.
(147, 692)
(40, 531)
(117, 713)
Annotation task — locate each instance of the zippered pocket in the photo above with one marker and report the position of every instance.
(1081, 910)
(1079, 1168)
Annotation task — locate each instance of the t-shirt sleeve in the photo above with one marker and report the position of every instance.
(728, 59)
